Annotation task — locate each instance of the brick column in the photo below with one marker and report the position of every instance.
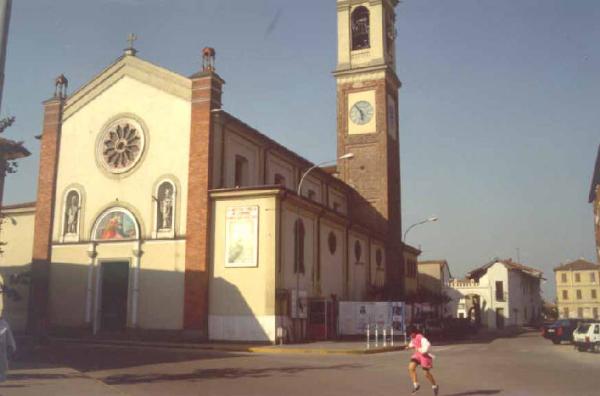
(206, 96)
(44, 214)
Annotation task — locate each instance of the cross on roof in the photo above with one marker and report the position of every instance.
(130, 39)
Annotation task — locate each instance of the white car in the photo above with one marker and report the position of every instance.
(587, 337)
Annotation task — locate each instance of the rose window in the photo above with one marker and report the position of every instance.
(121, 146)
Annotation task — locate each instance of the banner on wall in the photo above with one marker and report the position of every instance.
(241, 237)
(355, 316)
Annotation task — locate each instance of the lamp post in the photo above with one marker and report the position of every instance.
(428, 220)
(297, 230)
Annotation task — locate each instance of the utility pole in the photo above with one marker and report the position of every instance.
(5, 7)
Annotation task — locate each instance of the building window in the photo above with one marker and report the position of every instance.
(360, 29)
(580, 312)
(378, 258)
(577, 277)
(566, 312)
(279, 180)
(592, 277)
(594, 296)
(499, 291)
(332, 242)
(578, 294)
(357, 251)
(563, 278)
(565, 294)
(241, 171)
(595, 312)
(299, 234)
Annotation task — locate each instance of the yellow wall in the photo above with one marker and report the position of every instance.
(333, 269)
(167, 121)
(242, 300)
(586, 303)
(16, 258)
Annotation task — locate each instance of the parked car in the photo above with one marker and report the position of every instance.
(562, 330)
(586, 337)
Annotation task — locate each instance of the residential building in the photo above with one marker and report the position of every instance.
(498, 294)
(578, 289)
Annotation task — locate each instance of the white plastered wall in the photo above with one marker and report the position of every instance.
(333, 273)
(242, 300)
(358, 269)
(17, 233)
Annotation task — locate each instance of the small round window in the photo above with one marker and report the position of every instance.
(332, 242)
(121, 145)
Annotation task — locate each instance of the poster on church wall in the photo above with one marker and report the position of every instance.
(241, 237)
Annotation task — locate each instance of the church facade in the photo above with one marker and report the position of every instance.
(157, 210)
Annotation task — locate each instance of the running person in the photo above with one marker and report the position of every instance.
(422, 358)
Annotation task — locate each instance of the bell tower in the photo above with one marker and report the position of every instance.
(367, 106)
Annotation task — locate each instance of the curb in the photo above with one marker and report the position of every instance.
(232, 348)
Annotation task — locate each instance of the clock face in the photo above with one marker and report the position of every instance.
(361, 113)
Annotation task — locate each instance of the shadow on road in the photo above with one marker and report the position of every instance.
(87, 358)
(221, 373)
(477, 392)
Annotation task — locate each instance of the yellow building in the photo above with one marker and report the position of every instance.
(159, 211)
(578, 289)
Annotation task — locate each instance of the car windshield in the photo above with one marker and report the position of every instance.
(564, 322)
(583, 328)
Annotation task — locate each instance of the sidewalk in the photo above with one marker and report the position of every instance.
(318, 347)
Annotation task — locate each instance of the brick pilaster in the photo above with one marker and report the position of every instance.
(206, 96)
(44, 212)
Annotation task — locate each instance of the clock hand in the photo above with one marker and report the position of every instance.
(362, 114)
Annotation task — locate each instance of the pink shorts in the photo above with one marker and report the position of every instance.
(423, 360)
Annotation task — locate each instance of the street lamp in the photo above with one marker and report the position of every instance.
(433, 218)
(296, 228)
(343, 157)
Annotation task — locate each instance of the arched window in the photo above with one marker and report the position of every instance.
(116, 224)
(164, 199)
(357, 251)
(299, 234)
(72, 209)
(241, 171)
(360, 29)
(332, 242)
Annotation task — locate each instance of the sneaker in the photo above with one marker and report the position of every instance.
(416, 389)
(436, 389)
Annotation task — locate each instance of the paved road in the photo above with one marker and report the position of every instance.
(526, 365)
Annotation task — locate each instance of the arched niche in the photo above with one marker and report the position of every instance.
(116, 224)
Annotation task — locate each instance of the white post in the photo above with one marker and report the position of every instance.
(137, 252)
(90, 275)
(376, 336)
(392, 335)
(384, 338)
(368, 335)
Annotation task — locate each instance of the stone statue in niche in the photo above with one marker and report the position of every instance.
(72, 213)
(165, 206)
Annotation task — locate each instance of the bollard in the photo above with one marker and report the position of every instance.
(384, 338)
(392, 335)
(368, 336)
(376, 337)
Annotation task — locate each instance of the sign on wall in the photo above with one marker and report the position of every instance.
(299, 307)
(241, 237)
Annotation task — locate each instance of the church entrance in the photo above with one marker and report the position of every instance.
(115, 285)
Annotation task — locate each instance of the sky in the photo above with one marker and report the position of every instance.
(499, 116)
